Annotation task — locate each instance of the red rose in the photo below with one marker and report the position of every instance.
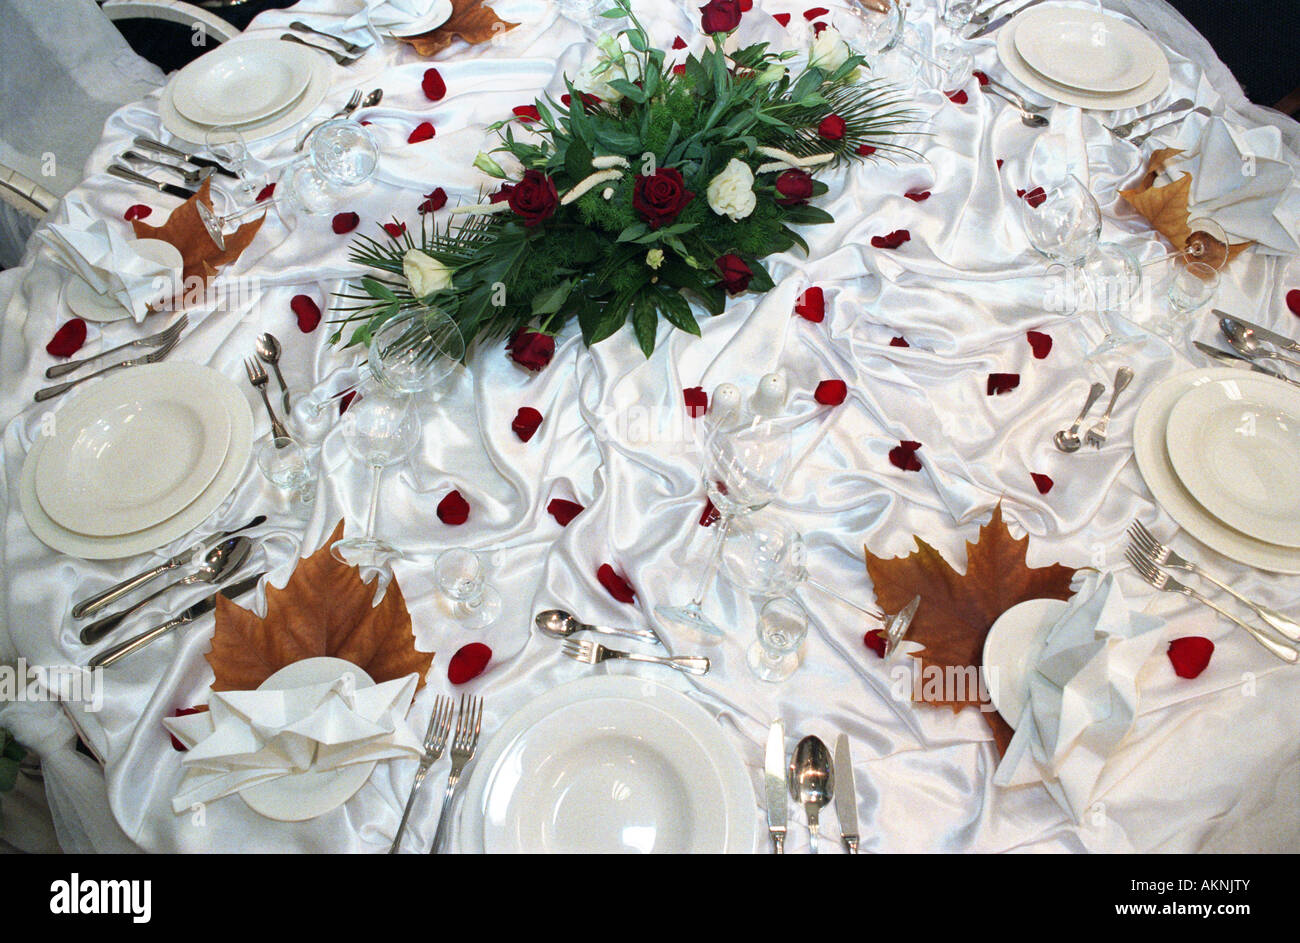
(1190, 655)
(735, 273)
(423, 131)
(1042, 482)
(720, 16)
(903, 456)
(531, 349)
(1001, 383)
(831, 392)
(564, 511)
(136, 211)
(396, 230)
(68, 339)
(308, 312)
(526, 422)
(615, 584)
(533, 198)
(345, 222)
(453, 509)
(1040, 343)
(795, 186)
(660, 197)
(468, 662)
(697, 401)
(811, 305)
(433, 85)
(831, 128)
(589, 102)
(527, 113)
(434, 201)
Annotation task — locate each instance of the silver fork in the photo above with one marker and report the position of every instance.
(353, 104)
(593, 653)
(257, 376)
(1124, 130)
(153, 340)
(435, 741)
(1145, 543)
(1096, 436)
(1139, 139)
(51, 391)
(338, 57)
(468, 724)
(300, 27)
(1166, 583)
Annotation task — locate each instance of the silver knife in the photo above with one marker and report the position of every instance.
(1231, 359)
(1002, 20)
(846, 797)
(117, 170)
(202, 607)
(149, 144)
(774, 785)
(1263, 333)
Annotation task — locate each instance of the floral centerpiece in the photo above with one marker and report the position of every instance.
(645, 185)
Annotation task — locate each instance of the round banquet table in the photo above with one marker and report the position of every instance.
(1212, 764)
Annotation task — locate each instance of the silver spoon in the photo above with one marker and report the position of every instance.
(1243, 341)
(268, 351)
(218, 563)
(1067, 440)
(1029, 118)
(812, 781)
(559, 624)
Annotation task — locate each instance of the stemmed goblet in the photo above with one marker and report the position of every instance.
(414, 351)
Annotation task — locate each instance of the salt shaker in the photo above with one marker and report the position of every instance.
(769, 396)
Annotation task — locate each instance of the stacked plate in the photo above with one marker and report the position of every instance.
(260, 86)
(1220, 450)
(610, 764)
(136, 460)
(1083, 58)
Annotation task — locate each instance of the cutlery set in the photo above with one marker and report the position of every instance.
(463, 742)
(558, 624)
(163, 342)
(268, 352)
(1250, 344)
(1068, 440)
(200, 169)
(349, 54)
(811, 778)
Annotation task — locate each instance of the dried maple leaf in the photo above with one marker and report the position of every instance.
(957, 611)
(186, 232)
(470, 20)
(324, 609)
(1166, 208)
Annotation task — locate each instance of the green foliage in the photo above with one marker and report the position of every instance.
(11, 754)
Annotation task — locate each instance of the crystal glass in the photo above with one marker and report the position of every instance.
(461, 577)
(226, 143)
(1192, 286)
(1114, 285)
(782, 627)
(957, 13)
(745, 465)
(286, 464)
(1206, 242)
(380, 430)
(416, 350)
(344, 152)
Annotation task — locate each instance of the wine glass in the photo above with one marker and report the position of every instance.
(745, 465)
(416, 350)
(782, 627)
(226, 143)
(1114, 283)
(381, 430)
(1206, 242)
(1192, 286)
(875, 30)
(461, 577)
(285, 463)
(300, 189)
(344, 152)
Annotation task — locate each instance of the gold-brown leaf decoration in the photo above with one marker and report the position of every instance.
(470, 20)
(956, 610)
(185, 230)
(324, 609)
(1166, 208)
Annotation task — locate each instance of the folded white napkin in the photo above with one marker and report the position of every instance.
(1243, 180)
(383, 16)
(1083, 695)
(251, 737)
(106, 259)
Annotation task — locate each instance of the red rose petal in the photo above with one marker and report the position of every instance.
(980, 77)
(814, 12)
(266, 193)
(875, 640)
(396, 230)
(811, 305)
(615, 584)
(899, 342)
(1190, 655)
(1034, 197)
(891, 241)
(183, 712)
(137, 211)
(453, 509)
(346, 400)
(1002, 383)
(468, 662)
(679, 69)
(831, 128)
(1040, 343)
(1293, 301)
(679, 43)
(345, 222)
(697, 401)
(710, 515)
(526, 422)
(819, 26)
(308, 312)
(434, 201)
(958, 97)
(782, 18)
(999, 163)
(423, 131)
(1020, 193)
(831, 392)
(68, 339)
(917, 196)
(866, 150)
(434, 87)
(1042, 482)
(527, 113)
(564, 511)
(903, 456)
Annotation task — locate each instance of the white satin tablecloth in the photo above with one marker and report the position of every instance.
(1212, 764)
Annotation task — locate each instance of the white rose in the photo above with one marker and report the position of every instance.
(424, 273)
(731, 193)
(829, 50)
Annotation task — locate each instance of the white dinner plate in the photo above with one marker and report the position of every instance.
(90, 305)
(439, 13)
(1153, 462)
(1150, 89)
(1086, 50)
(59, 538)
(610, 764)
(306, 795)
(132, 451)
(1012, 648)
(241, 82)
(317, 86)
(1235, 445)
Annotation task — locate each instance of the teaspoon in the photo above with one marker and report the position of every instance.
(1067, 440)
(1244, 341)
(812, 781)
(559, 624)
(268, 351)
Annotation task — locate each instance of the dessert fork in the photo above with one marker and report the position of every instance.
(51, 391)
(1166, 583)
(1146, 545)
(153, 340)
(435, 741)
(1096, 436)
(468, 725)
(257, 376)
(593, 653)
